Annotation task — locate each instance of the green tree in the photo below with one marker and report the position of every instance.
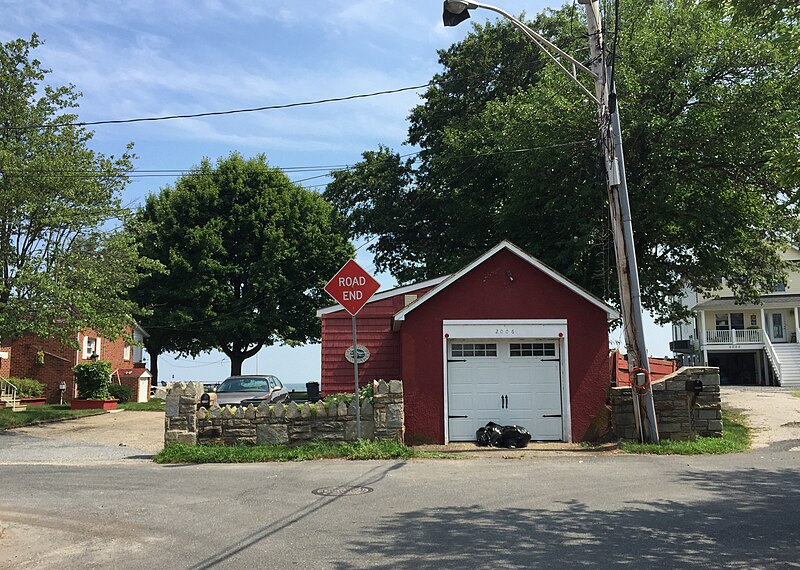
(710, 111)
(63, 264)
(248, 253)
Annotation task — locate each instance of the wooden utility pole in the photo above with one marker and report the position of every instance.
(621, 224)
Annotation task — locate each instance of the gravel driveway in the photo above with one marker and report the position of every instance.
(116, 436)
(774, 414)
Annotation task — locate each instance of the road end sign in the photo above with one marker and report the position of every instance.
(352, 287)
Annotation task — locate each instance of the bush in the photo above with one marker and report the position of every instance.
(120, 392)
(93, 380)
(365, 392)
(27, 387)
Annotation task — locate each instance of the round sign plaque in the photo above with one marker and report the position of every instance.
(361, 350)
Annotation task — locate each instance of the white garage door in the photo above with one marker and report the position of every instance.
(507, 382)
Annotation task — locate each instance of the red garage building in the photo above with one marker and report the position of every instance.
(505, 339)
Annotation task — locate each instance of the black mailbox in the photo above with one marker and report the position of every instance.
(695, 386)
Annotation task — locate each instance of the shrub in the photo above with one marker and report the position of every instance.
(27, 387)
(366, 392)
(93, 380)
(120, 392)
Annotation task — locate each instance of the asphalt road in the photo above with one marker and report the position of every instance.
(72, 497)
(735, 511)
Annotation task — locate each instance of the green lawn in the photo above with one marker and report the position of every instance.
(154, 405)
(36, 414)
(796, 394)
(735, 438)
(362, 449)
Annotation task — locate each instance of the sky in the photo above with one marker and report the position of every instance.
(165, 57)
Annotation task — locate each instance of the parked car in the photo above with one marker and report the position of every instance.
(250, 389)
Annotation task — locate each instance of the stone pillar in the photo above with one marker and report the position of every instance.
(180, 425)
(388, 410)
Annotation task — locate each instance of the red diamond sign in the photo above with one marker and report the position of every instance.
(352, 287)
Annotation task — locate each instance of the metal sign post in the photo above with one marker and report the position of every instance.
(352, 287)
(355, 372)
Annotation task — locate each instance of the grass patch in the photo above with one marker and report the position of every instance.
(796, 394)
(38, 414)
(361, 449)
(154, 405)
(735, 438)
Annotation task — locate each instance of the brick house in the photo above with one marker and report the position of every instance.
(51, 363)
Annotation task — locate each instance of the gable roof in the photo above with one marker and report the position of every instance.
(577, 289)
(388, 293)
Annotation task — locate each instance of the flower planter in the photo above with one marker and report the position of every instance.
(93, 404)
(32, 401)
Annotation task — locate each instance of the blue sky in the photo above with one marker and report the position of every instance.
(148, 58)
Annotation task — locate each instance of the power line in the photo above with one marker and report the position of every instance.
(222, 113)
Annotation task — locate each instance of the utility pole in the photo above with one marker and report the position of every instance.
(456, 11)
(621, 224)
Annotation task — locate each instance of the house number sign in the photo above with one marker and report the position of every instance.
(362, 352)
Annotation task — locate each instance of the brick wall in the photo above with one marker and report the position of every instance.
(289, 424)
(681, 414)
(59, 360)
(5, 363)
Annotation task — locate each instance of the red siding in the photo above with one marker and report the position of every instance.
(486, 292)
(373, 330)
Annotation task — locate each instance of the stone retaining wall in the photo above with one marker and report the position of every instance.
(681, 414)
(288, 424)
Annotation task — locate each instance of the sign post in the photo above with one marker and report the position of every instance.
(352, 287)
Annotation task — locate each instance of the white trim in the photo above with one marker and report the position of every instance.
(387, 294)
(612, 313)
(523, 328)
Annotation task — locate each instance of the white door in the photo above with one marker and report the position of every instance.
(510, 382)
(777, 328)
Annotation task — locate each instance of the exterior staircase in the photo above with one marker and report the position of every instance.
(8, 396)
(789, 356)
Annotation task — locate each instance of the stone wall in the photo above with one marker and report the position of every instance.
(681, 414)
(288, 424)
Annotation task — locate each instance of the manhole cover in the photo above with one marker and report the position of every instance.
(341, 491)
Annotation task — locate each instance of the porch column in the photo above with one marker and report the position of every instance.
(796, 325)
(701, 317)
(765, 366)
(764, 324)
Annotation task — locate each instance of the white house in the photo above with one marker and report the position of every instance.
(751, 344)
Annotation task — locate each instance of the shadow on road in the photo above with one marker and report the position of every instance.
(751, 522)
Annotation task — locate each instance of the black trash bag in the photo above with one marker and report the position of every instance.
(482, 437)
(490, 435)
(515, 436)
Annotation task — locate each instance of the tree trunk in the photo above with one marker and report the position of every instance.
(238, 353)
(153, 368)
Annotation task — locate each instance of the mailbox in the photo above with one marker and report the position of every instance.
(695, 386)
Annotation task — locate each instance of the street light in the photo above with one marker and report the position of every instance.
(455, 12)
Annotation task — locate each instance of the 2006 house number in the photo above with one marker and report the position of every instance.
(503, 331)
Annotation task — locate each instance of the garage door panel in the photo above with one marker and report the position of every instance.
(529, 383)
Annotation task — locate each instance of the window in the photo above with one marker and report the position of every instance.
(473, 349)
(91, 345)
(533, 349)
(728, 321)
(779, 288)
(126, 352)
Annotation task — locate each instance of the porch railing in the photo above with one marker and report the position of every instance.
(8, 393)
(733, 336)
(772, 356)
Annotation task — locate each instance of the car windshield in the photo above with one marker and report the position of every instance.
(244, 385)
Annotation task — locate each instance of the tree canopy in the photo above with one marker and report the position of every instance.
(710, 112)
(247, 252)
(64, 266)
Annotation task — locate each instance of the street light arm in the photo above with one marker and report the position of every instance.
(459, 6)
